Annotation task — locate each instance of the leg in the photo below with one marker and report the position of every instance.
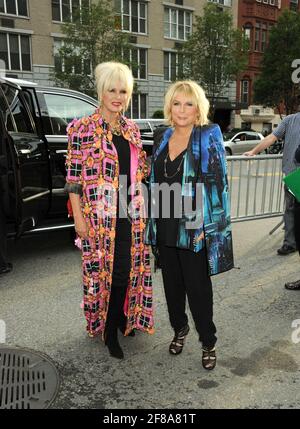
(289, 224)
(115, 316)
(173, 286)
(200, 295)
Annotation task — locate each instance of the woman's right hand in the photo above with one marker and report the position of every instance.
(81, 227)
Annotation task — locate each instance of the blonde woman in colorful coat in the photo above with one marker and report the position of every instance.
(105, 168)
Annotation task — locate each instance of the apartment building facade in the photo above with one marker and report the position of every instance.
(256, 18)
(30, 35)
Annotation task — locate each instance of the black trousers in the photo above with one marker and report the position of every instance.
(3, 239)
(185, 274)
(120, 277)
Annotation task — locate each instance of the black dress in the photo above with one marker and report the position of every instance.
(167, 227)
(123, 225)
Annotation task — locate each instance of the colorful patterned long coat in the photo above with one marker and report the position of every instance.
(93, 166)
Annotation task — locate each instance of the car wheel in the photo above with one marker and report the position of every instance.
(228, 151)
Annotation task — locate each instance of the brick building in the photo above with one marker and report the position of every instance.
(256, 18)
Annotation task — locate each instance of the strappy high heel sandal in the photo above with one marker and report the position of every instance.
(177, 343)
(209, 358)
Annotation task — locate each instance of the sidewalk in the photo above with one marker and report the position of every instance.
(258, 364)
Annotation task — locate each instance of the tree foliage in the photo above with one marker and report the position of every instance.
(91, 38)
(215, 53)
(275, 86)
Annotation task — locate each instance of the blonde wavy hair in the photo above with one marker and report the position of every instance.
(107, 74)
(190, 89)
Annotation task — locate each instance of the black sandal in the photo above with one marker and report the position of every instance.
(177, 343)
(209, 358)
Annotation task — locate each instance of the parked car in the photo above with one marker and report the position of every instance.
(236, 143)
(35, 120)
(33, 146)
(147, 128)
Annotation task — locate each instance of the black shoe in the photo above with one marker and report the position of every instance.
(177, 343)
(293, 285)
(6, 269)
(286, 250)
(114, 349)
(209, 358)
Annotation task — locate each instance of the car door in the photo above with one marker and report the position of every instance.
(57, 110)
(239, 143)
(251, 140)
(5, 201)
(32, 174)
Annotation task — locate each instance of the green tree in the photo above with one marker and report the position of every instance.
(215, 53)
(275, 87)
(92, 37)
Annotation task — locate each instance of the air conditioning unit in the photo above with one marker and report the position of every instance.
(132, 39)
(177, 45)
(8, 23)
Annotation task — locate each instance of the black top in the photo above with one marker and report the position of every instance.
(167, 227)
(123, 225)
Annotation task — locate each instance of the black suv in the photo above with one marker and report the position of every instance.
(33, 144)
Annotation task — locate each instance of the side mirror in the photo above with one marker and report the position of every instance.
(236, 140)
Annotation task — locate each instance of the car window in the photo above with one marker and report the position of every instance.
(6, 112)
(240, 136)
(250, 136)
(63, 108)
(18, 110)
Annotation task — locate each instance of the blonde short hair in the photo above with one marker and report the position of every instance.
(190, 89)
(107, 74)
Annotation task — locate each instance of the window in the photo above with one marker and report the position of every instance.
(63, 108)
(137, 57)
(66, 10)
(77, 65)
(248, 32)
(245, 91)
(257, 37)
(138, 106)
(294, 5)
(177, 23)
(263, 37)
(172, 65)
(15, 51)
(222, 2)
(133, 15)
(14, 7)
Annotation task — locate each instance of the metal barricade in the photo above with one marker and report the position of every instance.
(255, 185)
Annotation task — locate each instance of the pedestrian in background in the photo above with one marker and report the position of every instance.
(190, 152)
(296, 284)
(103, 148)
(289, 130)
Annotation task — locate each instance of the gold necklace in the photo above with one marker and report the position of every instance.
(115, 129)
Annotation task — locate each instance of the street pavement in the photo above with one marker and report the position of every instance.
(258, 362)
